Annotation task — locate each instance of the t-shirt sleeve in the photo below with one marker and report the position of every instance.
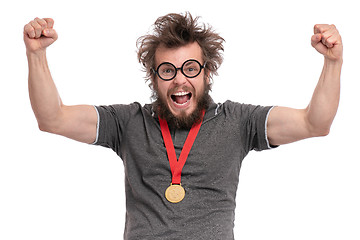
(253, 125)
(257, 127)
(112, 121)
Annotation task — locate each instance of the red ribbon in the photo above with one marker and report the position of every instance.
(175, 165)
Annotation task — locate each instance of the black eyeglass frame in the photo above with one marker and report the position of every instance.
(180, 68)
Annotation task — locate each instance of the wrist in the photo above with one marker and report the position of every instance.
(36, 59)
(336, 62)
(36, 54)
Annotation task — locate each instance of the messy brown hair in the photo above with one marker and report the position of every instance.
(177, 30)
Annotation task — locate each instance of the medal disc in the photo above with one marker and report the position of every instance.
(175, 193)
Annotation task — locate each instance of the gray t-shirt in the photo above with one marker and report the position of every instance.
(210, 176)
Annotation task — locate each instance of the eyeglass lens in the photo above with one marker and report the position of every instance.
(190, 68)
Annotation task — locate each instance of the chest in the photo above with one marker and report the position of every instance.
(214, 159)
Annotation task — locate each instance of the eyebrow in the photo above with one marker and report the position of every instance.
(181, 65)
(188, 63)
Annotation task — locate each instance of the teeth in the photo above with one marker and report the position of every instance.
(181, 93)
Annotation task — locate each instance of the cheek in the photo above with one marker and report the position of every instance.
(200, 86)
(163, 89)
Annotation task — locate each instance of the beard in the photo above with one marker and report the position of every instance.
(183, 120)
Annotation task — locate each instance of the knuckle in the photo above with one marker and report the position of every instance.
(37, 20)
(49, 22)
(27, 27)
(34, 24)
(29, 30)
(326, 34)
(318, 28)
(41, 22)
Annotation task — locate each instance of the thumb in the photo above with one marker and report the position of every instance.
(315, 39)
(317, 44)
(50, 33)
(49, 36)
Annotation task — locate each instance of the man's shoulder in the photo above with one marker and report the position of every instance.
(242, 110)
(232, 106)
(120, 107)
(124, 110)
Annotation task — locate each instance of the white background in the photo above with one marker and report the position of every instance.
(55, 188)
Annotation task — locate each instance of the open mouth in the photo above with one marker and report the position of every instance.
(181, 98)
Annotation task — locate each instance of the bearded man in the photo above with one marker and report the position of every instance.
(183, 152)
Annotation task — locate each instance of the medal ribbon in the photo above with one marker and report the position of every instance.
(175, 165)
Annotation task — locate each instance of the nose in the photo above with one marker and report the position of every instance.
(179, 78)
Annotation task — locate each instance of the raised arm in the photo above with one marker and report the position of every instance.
(286, 125)
(75, 122)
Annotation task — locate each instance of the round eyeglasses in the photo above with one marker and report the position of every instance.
(167, 71)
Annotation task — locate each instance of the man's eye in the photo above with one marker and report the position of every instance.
(191, 70)
(168, 71)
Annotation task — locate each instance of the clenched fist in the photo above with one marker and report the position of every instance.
(39, 34)
(327, 41)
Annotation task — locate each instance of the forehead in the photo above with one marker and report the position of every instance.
(178, 55)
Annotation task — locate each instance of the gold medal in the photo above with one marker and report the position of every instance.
(175, 193)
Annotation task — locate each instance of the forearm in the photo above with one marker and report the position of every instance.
(44, 97)
(286, 125)
(325, 100)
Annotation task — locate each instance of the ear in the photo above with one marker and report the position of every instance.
(153, 82)
(207, 76)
